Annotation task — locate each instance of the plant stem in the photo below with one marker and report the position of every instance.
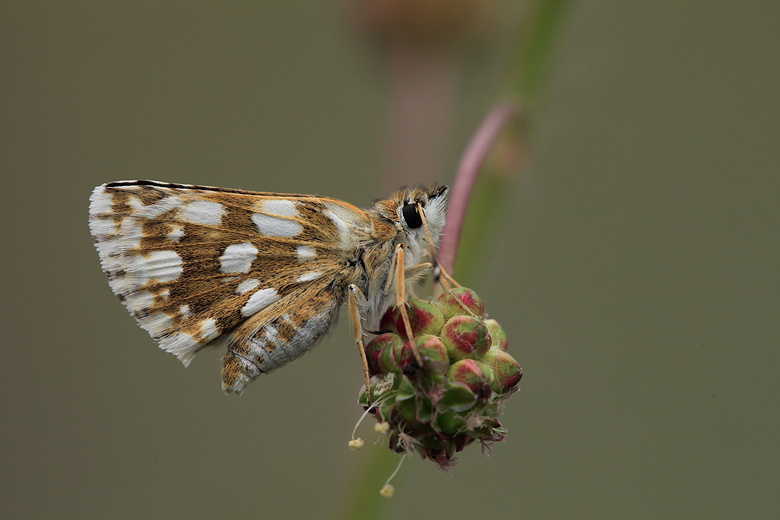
(469, 167)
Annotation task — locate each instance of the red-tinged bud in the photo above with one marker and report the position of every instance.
(506, 371)
(497, 334)
(407, 360)
(389, 319)
(474, 374)
(375, 348)
(433, 353)
(390, 356)
(424, 317)
(465, 337)
(452, 303)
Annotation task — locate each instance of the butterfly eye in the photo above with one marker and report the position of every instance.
(411, 216)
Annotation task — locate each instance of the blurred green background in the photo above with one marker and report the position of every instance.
(634, 266)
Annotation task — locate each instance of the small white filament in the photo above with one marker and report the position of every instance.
(387, 489)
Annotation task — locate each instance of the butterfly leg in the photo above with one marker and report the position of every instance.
(357, 301)
(400, 298)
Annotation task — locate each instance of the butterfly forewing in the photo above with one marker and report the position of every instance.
(194, 263)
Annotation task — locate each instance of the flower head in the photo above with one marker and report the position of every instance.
(456, 396)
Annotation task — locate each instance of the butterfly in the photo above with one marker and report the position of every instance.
(261, 276)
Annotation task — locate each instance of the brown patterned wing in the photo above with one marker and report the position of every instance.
(199, 266)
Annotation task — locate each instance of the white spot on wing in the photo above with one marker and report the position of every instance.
(276, 226)
(340, 224)
(271, 333)
(156, 324)
(203, 212)
(306, 253)
(309, 276)
(238, 258)
(247, 285)
(184, 310)
(100, 202)
(281, 207)
(163, 266)
(153, 210)
(101, 226)
(130, 234)
(258, 301)
(208, 329)
(176, 232)
(183, 346)
(139, 301)
(345, 235)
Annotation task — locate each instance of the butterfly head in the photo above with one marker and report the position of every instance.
(406, 206)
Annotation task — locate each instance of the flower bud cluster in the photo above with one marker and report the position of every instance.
(457, 394)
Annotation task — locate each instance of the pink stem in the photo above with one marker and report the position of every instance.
(469, 167)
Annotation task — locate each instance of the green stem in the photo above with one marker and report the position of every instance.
(533, 48)
(364, 502)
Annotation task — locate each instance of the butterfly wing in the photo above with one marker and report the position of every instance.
(199, 266)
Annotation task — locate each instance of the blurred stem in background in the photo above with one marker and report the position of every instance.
(424, 46)
(487, 201)
(425, 43)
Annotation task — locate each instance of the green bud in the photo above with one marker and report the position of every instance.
(406, 389)
(424, 411)
(433, 353)
(474, 374)
(389, 359)
(452, 303)
(450, 423)
(506, 370)
(465, 337)
(407, 409)
(497, 334)
(416, 414)
(458, 397)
